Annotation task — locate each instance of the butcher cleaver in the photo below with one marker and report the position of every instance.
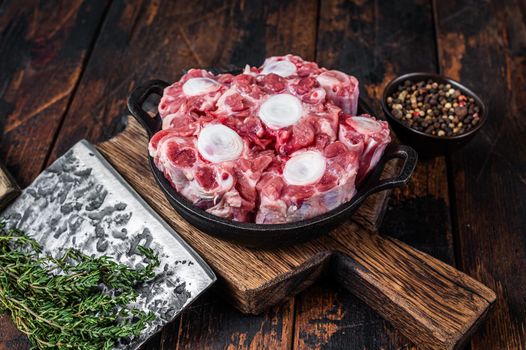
(81, 202)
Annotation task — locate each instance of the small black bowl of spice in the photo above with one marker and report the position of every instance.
(434, 114)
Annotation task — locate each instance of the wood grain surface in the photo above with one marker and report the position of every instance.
(430, 302)
(44, 46)
(158, 39)
(377, 47)
(69, 66)
(488, 53)
(254, 279)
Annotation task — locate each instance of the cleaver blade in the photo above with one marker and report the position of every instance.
(81, 202)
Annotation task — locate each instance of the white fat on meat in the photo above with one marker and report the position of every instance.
(218, 143)
(280, 111)
(248, 71)
(304, 168)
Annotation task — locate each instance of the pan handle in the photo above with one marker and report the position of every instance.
(136, 101)
(372, 183)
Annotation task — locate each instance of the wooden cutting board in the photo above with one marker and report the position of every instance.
(433, 304)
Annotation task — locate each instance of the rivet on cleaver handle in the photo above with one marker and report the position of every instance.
(9, 190)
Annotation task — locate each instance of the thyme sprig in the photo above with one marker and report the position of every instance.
(74, 301)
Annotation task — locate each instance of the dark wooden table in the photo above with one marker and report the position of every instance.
(67, 67)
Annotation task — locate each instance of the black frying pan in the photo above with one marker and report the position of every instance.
(264, 235)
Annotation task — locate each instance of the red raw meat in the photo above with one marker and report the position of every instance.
(367, 136)
(240, 105)
(341, 89)
(282, 202)
(226, 189)
(275, 144)
(195, 93)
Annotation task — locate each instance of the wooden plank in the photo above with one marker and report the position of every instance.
(432, 303)
(157, 39)
(330, 317)
(484, 47)
(376, 42)
(437, 307)
(10, 337)
(332, 326)
(213, 324)
(163, 38)
(419, 213)
(44, 46)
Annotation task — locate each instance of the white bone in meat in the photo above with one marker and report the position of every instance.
(218, 143)
(304, 168)
(281, 68)
(342, 89)
(280, 111)
(200, 86)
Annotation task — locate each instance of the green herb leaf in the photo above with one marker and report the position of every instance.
(74, 301)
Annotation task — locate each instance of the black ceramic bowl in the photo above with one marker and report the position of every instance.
(425, 144)
(263, 235)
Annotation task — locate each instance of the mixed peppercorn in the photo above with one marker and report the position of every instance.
(434, 108)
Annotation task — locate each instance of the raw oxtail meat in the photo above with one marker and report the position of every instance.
(196, 93)
(311, 182)
(215, 170)
(275, 144)
(366, 136)
(341, 89)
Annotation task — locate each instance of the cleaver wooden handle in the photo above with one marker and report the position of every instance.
(430, 302)
(9, 190)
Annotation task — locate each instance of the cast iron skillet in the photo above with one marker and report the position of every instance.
(263, 235)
